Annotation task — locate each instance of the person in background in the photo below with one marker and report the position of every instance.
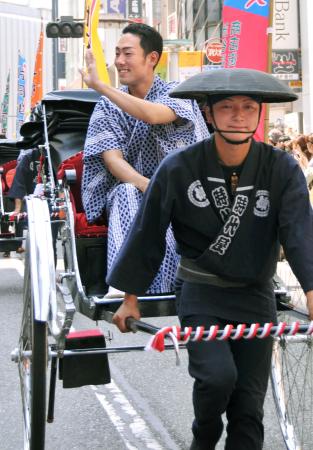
(309, 144)
(232, 202)
(28, 180)
(19, 225)
(131, 130)
(274, 135)
(282, 142)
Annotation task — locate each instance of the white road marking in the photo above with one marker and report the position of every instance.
(141, 403)
(132, 428)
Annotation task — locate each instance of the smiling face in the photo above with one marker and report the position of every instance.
(133, 66)
(235, 116)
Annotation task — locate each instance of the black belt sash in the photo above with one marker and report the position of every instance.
(189, 271)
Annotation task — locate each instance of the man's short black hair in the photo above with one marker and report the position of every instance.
(150, 39)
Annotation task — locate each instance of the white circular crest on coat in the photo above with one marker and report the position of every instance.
(262, 203)
(197, 195)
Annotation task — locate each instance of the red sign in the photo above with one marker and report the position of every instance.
(213, 52)
(245, 39)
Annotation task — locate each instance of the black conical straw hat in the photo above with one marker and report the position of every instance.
(227, 82)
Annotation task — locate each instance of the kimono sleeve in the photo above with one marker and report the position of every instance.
(296, 227)
(190, 127)
(105, 130)
(143, 251)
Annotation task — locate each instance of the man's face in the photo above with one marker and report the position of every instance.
(132, 64)
(236, 113)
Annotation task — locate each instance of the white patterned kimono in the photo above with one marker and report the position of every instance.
(143, 147)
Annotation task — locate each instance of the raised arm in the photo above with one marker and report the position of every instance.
(149, 112)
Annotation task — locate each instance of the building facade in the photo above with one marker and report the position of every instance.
(292, 51)
(186, 26)
(20, 26)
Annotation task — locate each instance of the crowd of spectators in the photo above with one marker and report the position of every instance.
(300, 147)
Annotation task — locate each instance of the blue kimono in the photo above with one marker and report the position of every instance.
(143, 147)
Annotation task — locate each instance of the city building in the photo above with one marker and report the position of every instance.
(191, 29)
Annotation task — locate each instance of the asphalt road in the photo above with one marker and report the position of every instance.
(146, 406)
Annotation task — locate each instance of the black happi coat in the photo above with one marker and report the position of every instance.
(238, 241)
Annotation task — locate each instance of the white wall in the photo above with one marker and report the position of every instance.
(306, 18)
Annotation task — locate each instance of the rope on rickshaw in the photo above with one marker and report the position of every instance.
(241, 331)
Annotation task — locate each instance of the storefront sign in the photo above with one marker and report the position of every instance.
(285, 24)
(172, 25)
(285, 64)
(213, 51)
(189, 63)
(135, 9)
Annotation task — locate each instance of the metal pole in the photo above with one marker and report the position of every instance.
(47, 148)
(269, 67)
(55, 13)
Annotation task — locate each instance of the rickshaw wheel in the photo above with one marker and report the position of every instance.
(32, 369)
(292, 372)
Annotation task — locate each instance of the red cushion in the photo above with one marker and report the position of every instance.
(82, 227)
(74, 162)
(7, 177)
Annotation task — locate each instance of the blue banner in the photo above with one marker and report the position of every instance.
(259, 7)
(5, 107)
(20, 116)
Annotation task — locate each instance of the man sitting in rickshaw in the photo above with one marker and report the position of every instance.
(130, 132)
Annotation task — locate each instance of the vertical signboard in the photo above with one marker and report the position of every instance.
(245, 38)
(172, 26)
(5, 107)
(285, 24)
(285, 64)
(21, 92)
(285, 43)
(135, 10)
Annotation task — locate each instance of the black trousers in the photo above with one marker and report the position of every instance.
(232, 377)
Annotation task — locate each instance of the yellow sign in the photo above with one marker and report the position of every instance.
(190, 63)
(92, 40)
(161, 68)
(190, 59)
(295, 84)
